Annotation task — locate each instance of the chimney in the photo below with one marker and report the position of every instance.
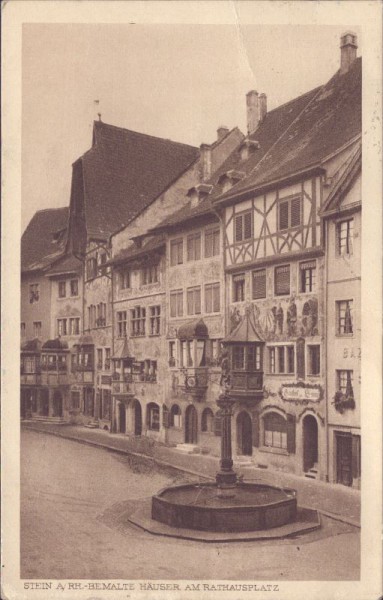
(252, 106)
(222, 131)
(205, 150)
(262, 99)
(348, 47)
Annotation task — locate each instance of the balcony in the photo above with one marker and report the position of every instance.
(247, 385)
(30, 378)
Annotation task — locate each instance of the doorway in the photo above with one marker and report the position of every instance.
(44, 402)
(57, 404)
(244, 434)
(137, 418)
(191, 425)
(310, 442)
(122, 417)
(344, 458)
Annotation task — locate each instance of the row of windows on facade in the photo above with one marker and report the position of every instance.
(147, 275)
(282, 287)
(194, 250)
(137, 370)
(97, 315)
(138, 321)
(63, 288)
(212, 300)
(290, 216)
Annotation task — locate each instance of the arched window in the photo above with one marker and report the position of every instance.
(175, 416)
(275, 430)
(207, 420)
(153, 416)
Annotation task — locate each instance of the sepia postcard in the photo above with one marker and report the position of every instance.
(191, 300)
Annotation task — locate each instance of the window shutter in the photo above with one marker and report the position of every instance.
(259, 284)
(238, 229)
(282, 280)
(295, 212)
(291, 434)
(217, 424)
(283, 215)
(301, 358)
(255, 419)
(248, 230)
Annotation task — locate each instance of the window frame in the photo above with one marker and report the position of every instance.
(272, 428)
(194, 296)
(349, 237)
(310, 361)
(72, 281)
(240, 216)
(215, 250)
(302, 277)
(253, 287)
(274, 359)
(215, 297)
(178, 296)
(155, 320)
(38, 329)
(175, 255)
(122, 317)
(193, 246)
(61, 288)
(138, 321)
(238, 278)
(289, 201)
(276, 269)
(339, 319)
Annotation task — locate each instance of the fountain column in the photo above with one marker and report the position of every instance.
(226, 477)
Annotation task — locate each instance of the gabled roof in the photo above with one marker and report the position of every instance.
(275, 122)
(68, 265)
(344, 183)
(43, 239)
(124, 172)
(149, 246)
(330, 118)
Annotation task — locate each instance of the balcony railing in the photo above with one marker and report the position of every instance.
(246, 383)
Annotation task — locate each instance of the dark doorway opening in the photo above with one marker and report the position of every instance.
(191, 425)
(137, 418)
(57, 404)
(122, 417)
(244, 434)
(310, 442)
(44, 403)
(344, 458)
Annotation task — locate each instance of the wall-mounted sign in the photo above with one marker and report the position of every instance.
(301, 392)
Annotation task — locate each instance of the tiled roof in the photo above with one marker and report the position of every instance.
(41, 242)
(275, 122)
(150, 245)
(344, 183)
(69, 264)
(124, 172)
(330, 118)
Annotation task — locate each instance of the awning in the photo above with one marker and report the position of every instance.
(55, 344)
(245, 331)
(31, 346)
(85, 340)
(193, 330)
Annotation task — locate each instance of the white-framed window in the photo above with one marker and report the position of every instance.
(345, 380)
(259, 284)
(282, 280)
(282, 359)
(149, 274)
(62, 327)
(176, 252)
(344, 317)
(74, 287)
(62, 289)
(193, 246)
(74, 325)
(137, 321)
(238, 287)
(34, 292)
(289, 212)
(37, 327)
(155, 320)
(313, 353)
(176, 303)
(212, 297)
(275, 431)
(125, 279)
(307, 276)
(345, 234)
(121, 323)
(243, 226)
(193, 297)
(212, 237)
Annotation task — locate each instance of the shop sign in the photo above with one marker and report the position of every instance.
(301, 393)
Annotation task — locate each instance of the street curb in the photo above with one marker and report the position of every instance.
(163, 463)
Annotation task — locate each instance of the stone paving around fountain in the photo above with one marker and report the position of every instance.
(338, 501)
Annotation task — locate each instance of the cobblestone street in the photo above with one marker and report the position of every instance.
(67, 488)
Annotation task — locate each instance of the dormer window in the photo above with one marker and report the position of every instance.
(199, 193)
(247, 148)
(229, 179)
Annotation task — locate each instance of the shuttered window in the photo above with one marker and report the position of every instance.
(259, 284)
(289, 213)
(282, 280)
(243, 226)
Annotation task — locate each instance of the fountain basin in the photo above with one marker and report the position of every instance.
(251, 507)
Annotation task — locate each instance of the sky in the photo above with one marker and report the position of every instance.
(180, 82)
